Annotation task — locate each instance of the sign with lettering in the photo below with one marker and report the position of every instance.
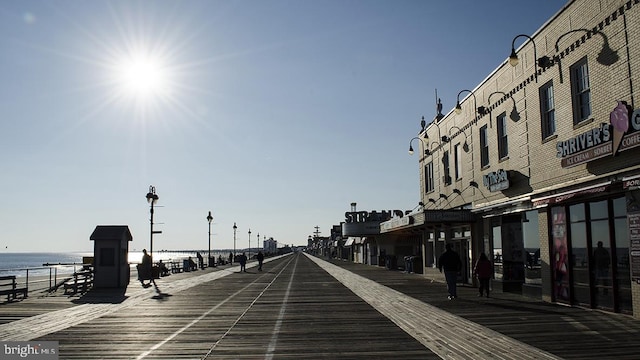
(448, 216)
(622, 133)
(496, 181)
(365, 216)
(396, 222)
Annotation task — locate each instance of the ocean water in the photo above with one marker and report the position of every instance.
(66, 263)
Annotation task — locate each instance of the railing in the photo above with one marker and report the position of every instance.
(46, 278)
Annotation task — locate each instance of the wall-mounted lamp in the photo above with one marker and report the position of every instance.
(431, 200)
(424, 145)
(465, 145)
(514, 115)
(458, 108)
(473, 184)
(456, 191)
(542, 62)
(443, 196)
(607, 56)
(428, 151)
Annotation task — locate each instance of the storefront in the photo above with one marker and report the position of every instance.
(590, 245)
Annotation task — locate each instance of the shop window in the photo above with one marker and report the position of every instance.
(621, 260)
(601, 255)
(497, 252)
(580, 91)
(531, 238)
(484, 146)
(428, 177)
(547, 110)
(579, 256)
(503, 146)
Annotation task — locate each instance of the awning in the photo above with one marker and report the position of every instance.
(563, 196)
(349, 241)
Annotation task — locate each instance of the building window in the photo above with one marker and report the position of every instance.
(446, 178)
(580, 91)
(428, 178)
(503, 148)
(547, 110)
(484, 146)
(457, 162)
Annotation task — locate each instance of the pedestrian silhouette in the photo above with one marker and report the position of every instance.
(144, 269)
(601, 260)
(483, 271)
(200, 260)
(450, 262)
(243, 262)
(260, 258)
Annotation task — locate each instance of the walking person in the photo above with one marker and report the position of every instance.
(243, 262)
(483, 271)
(230, 258)
(144, 269)
(200, 260)
(260, 258)
(450, 262)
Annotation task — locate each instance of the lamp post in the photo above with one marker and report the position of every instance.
(152, 198)
(209, 219)
(234, 241)
(249, 243)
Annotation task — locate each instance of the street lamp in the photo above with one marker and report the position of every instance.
(209, 219)
(249, 243)
(234, 241)
(152, 198)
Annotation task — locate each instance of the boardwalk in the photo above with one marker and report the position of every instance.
(304, 307)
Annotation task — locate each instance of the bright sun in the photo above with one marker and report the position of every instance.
(142, 76)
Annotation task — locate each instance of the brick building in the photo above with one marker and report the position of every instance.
(539, 166)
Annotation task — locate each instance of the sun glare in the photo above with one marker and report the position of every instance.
(142, 76)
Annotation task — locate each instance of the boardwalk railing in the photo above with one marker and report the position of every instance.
(46, 278)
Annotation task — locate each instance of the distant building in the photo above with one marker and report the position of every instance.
(270, 246)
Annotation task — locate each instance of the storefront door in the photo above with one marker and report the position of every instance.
(590, 254)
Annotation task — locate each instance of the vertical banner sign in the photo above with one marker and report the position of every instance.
(560, 256)
(633, 220)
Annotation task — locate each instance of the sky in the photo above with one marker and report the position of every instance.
(274, 115)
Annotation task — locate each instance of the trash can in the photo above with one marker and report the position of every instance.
(212, 261)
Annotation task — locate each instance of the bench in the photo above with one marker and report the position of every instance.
(81, 281)
(175, 267)
(9, 287)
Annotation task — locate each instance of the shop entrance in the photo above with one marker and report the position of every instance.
(590, 254)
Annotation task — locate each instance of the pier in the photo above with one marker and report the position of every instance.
(301, 306)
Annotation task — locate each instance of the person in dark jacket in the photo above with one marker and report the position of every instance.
(450, 262)
(483, 271)
(260, 258)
